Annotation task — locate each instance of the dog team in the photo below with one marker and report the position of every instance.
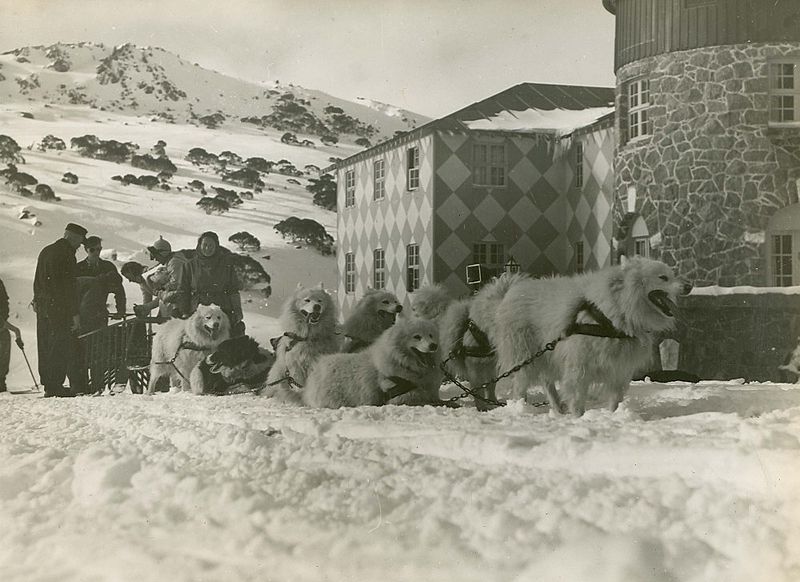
(579, 337)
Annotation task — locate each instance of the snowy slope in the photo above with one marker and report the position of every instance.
(149, 81)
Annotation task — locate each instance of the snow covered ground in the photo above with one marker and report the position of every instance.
(683, 483)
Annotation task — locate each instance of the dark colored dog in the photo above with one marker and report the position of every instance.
(238, 364)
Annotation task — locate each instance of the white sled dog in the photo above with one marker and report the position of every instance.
(404, 357)
(189, 341)
(604, 324)
(374, 313)
(468, 332)
(309, 322)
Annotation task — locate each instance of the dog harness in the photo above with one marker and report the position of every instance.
(293, 340)
(603, 327)
(401, 386)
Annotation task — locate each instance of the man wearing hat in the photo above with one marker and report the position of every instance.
(55, 299)
(175, 302)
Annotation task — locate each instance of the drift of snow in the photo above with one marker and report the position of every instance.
(682, 483)
(539, 119)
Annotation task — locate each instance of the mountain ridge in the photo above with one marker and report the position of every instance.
(154, 82)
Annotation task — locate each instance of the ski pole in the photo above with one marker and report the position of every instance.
(21, 346)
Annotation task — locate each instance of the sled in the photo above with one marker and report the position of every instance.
(120, 353)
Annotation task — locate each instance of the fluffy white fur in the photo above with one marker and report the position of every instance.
(480, 309)
(638, 298)
(430, 302)
(309, 314)
(374, 313)
(206, 328)
(409, 350)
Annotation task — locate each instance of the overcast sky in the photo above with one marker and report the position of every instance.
(429, 56)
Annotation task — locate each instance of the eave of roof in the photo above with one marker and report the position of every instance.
(521, 97)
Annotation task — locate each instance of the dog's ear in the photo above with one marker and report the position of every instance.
(320, 285)
(299, 286)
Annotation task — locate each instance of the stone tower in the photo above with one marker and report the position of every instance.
(707, 160)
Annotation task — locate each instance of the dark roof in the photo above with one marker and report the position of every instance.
(539, 97)
(525, 96)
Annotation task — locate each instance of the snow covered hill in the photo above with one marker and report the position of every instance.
(149, 81)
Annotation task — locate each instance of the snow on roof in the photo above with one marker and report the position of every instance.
(540, 119)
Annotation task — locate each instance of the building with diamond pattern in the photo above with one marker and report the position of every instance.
(522, 179)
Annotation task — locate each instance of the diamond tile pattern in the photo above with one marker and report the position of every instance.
(538, 215)
(403, 217)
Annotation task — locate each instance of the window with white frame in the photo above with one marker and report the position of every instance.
(488, 164)
(782, 260)
(349, 273)
(638, 109)
(349, 188)
(412, 165)
(412, 267)
(579, 165)
(379, 180)
(579, 258)
(784, 92)
(641, 246)
(378, 269)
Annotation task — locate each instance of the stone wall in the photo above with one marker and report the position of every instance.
(712, 173)
(739, 335)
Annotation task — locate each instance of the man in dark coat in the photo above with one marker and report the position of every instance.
(96, 279)
(93, 309)
(5, 338)
(55, 299)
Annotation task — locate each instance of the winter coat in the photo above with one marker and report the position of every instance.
(213, 280)
(112, 282)
(3, 304)
(93, 292)
(174, 293)
(55, 291)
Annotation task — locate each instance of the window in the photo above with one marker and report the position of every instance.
(491, 257)
(379, 180)
(641, 247)
(489, 164)
(349, 188)
(412, 267)
(784, 92)
(412, 163)
(579, 259)
(349, 273)
(579, 165)
(638, 105)
(378, 269)
(782, 260)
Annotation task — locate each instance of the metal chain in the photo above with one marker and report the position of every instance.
(548, 347)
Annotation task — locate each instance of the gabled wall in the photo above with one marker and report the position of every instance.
(401, 218)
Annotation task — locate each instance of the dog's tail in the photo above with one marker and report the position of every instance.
(453, 325)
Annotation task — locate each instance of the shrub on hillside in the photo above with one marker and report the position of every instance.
(111, 150)
(45, 193)
(19, 180)
(197, 186)
(51, 142)
(200, 157)
(245, 178)
(259, 165)
(212, 121)
(213, 205)
(229, 196)
(231, 158)
(9, 151)
(329, 139)
(363, 142)
(69, 178)
(306, 230)
(251, 273)
(245, 241)
(324, 191)
(151, 164)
